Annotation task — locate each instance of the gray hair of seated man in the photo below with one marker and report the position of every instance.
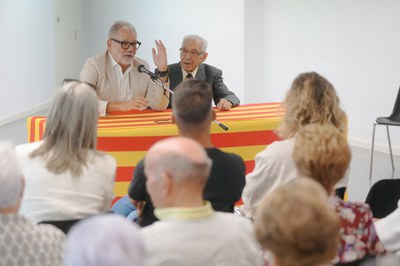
(104, 240)
(11, 184)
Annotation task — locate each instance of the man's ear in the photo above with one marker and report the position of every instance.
(204, 57)
(168, 184)
(109, 44)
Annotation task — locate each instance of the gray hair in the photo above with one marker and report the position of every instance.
(104, 240)
(118, 25)
(11, 184)
(71, 129)
(203, 41)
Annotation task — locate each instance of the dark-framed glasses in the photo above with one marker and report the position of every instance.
(126, 45)
(82, 82)
(192, 53)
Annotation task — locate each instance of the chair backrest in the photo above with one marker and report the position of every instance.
(383, 197)
(63, 225)
(395, 116)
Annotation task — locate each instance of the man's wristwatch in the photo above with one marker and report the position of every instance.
(162, 74)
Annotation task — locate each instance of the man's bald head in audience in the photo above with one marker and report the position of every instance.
(176, 167)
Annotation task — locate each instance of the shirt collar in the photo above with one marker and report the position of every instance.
(194, 72)
(185, 214)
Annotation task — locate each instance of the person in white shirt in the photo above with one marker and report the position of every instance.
(189, 231)
(66, 177)
(388, 230)
(104, 240)
(311, 99)
(115, 73)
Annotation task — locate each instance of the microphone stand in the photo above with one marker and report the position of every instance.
(160, 83)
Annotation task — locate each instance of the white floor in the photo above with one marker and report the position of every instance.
(359, 173)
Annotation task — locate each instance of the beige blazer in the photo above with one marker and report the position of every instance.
(98, 70)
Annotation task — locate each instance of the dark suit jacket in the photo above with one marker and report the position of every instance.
(208, 73)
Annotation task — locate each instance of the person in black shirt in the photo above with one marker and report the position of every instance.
(193, 114)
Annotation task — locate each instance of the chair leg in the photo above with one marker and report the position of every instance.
(372, 154)
(390, 149)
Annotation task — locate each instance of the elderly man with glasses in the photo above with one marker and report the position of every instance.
(193, 54)
(120, 85)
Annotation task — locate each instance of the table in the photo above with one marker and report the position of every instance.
(127, 136)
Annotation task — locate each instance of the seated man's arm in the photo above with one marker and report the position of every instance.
(224, 99)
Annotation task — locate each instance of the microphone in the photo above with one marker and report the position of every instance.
(143, 69)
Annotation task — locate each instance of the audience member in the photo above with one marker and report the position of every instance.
(193, 54)
(321, 153)
(311, 99)
(388, 229)
(189, 231)
(295, 223)
(22, 243)
(104, 240)
(193, 114)
(121, 86)
(66, 177)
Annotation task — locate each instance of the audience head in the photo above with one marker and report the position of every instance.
(295, 223)
(193, 52)
(122, 42)
(104, 240)
(177, 169)
(311, 99)
(321, 152)
(191, 105)
(11, 180)
(71, 128)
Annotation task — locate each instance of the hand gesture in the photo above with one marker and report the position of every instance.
(160, 56)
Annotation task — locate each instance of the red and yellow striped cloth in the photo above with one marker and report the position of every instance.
(127, 136)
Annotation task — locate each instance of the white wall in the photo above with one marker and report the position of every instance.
(27, 56)
(353, 43)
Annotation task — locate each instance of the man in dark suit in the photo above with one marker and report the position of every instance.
(193, 54)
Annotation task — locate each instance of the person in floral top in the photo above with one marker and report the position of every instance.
(321, 152)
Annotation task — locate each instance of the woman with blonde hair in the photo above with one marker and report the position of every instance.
(296, 225)
(311, 99)
(66, 177)
(321, 153)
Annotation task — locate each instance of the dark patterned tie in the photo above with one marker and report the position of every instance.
(189, 76)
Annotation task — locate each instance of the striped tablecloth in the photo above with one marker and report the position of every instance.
(127, 136)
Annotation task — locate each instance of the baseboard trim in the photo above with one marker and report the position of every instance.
(23, 114)
(360, 143)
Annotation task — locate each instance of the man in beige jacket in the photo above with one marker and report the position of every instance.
(120, 85)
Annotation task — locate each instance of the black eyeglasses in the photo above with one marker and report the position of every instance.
(126, 45)
(77, 80)
(192, 53)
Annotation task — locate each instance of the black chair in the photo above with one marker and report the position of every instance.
(383, 197)
(64, 225)
(392, 120)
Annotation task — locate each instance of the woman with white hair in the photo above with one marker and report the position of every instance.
(104, 240)
(66, 177)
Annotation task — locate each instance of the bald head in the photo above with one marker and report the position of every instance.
(173, 167)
